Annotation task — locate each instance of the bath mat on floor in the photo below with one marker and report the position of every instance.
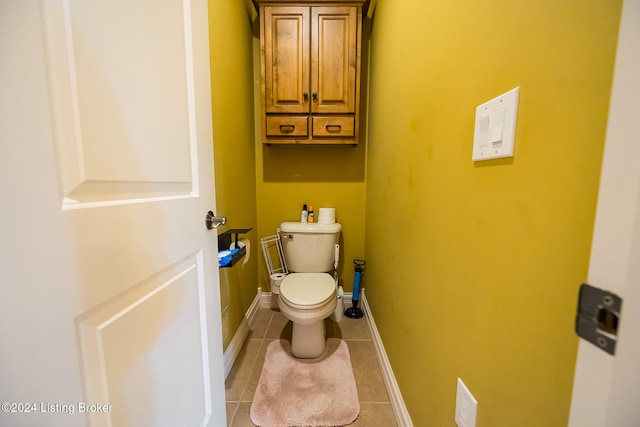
(306, 392)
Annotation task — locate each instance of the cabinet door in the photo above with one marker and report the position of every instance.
(333, 59)
(286, 56)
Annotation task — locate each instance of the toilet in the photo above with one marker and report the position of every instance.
(307, 295)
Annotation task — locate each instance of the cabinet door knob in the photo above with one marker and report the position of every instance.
(315, 96)
(305, 96)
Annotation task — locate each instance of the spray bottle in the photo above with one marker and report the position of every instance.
(310, 216)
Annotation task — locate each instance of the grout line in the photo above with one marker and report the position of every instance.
(266, 331)
(235, 411)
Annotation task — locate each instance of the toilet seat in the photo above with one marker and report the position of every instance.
(307, 291)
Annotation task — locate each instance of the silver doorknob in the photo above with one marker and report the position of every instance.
(212, 221)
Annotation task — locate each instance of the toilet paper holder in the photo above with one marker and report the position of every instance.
(224, 242)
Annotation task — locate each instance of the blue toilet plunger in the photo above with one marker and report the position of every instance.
(354, 312)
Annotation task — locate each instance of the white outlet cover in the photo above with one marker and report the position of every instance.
(495, 127)
(466, 406)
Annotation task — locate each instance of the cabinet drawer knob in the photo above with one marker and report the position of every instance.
(333, 128)
(287, 128)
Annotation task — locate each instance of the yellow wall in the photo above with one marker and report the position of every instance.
(231, 46)
(322, 176)
(306, 175)
(473, 269)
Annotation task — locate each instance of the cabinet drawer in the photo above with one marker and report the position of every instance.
(338, 126)
(287, 126)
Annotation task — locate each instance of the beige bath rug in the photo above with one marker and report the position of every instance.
(306, 392)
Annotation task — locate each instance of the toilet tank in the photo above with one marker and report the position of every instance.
(309, 247)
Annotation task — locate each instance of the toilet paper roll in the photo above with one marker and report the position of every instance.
(243, 243)
(327, 216)
(276, 280)
(247, 245)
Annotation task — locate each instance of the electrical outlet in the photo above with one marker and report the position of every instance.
(466, 406)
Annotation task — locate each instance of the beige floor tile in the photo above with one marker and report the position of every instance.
(231, 410)
(237, 379)
(366, 370)
(260, 324)
(242, 418)
(254, 375)
(354, 329)
(280, 327)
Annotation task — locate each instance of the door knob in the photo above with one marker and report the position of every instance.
(212, 221)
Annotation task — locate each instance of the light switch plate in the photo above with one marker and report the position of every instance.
(495, 128)
(466, 406)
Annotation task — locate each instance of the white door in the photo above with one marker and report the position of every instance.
(109, 303)
(607, 388)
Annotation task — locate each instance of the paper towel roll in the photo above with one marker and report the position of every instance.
(276, 279)
(327, 216)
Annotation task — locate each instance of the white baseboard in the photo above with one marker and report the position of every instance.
(397, 403)
(234, 347)
(253, 308)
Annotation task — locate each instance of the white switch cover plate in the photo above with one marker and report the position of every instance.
(466, 406)
(495, 128)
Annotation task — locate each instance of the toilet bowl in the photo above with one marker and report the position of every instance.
(307, 299)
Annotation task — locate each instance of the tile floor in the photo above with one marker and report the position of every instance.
(375, 409)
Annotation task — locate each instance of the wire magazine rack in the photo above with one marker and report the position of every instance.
(273, 245)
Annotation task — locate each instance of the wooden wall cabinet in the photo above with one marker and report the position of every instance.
(310, 80)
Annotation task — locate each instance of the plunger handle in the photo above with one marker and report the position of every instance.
(354, 312)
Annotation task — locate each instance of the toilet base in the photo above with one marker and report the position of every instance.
(308, 341)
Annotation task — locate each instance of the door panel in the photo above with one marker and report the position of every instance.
(124, 118)
(286, 46)
(110, 279)
(132, 344)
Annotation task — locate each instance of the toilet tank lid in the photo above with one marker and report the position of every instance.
(310, 227)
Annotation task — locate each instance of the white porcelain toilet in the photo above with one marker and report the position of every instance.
(308, 294)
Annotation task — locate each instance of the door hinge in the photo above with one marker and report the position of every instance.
(598, 317)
